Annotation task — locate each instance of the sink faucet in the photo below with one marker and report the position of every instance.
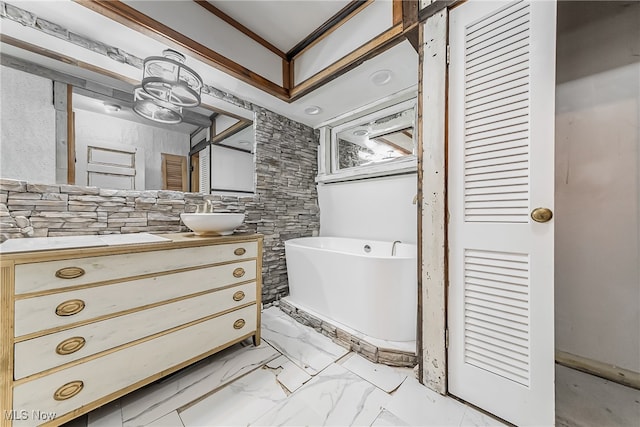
(393, 248)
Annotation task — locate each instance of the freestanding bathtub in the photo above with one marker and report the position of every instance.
(357, 283)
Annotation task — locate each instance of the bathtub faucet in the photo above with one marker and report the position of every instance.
(393, 248)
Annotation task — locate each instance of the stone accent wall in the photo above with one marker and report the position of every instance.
(286, 165)
(285, 205)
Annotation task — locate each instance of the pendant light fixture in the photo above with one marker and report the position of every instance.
(167, 86)
(167, 78)
(154, 109)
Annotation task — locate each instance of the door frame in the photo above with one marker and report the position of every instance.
(432, 202)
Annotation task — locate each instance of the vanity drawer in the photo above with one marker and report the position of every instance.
(42, 276)
(48, 351)
(99, 377)
(39, 313)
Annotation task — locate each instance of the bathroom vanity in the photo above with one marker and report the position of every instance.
(84, 326)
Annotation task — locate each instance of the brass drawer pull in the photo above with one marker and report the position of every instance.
(70, 307)
(70, 273)
(68, 390)
(238, 296)
(240, 251)
(70, 345)
(238, 272)
(239, 324)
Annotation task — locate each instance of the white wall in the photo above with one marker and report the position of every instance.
(27, 127)
(377, 208)
(96, 127)
(597, 189)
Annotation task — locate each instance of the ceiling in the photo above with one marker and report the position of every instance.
(283, 23)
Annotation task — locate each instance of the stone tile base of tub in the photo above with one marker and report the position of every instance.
(348, 339)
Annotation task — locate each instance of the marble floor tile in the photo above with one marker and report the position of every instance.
(379, 375)
(419, 406)
(172, 419)
(386, 418)
(585, 400)
(109, 415)
(152, 402)
(81, 421)
(474, 418)
(237, 404)
(290, 375)
(334, 397)
(304, 346)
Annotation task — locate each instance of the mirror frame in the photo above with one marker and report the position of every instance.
(400, 165)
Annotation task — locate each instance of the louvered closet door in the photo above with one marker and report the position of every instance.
(205, 170)
(501, 144)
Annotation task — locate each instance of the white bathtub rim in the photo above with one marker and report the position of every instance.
(403, 346)
(296, 243)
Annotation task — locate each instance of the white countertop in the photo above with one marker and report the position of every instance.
(72, 242)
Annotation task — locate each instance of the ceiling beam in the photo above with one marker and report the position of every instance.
(136, 20)
(31, 68)
(410, 11)
(238, 26)
(332, 24)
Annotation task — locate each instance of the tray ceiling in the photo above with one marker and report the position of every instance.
(282, 23)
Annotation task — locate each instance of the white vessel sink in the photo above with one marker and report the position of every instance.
(212, 224)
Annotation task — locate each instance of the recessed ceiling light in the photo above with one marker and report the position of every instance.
(380, 77)
(361, 132)
(243, 142)
(313, 110)
(111, 108)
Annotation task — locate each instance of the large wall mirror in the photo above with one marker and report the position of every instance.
(210, 151)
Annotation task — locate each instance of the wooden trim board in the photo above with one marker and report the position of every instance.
(332, 24)
(599, 369)
(6, 346)
(398, 11)
(71, 138)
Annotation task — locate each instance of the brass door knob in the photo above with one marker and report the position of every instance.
(238, 272)
(238, 296)
(541, 215)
